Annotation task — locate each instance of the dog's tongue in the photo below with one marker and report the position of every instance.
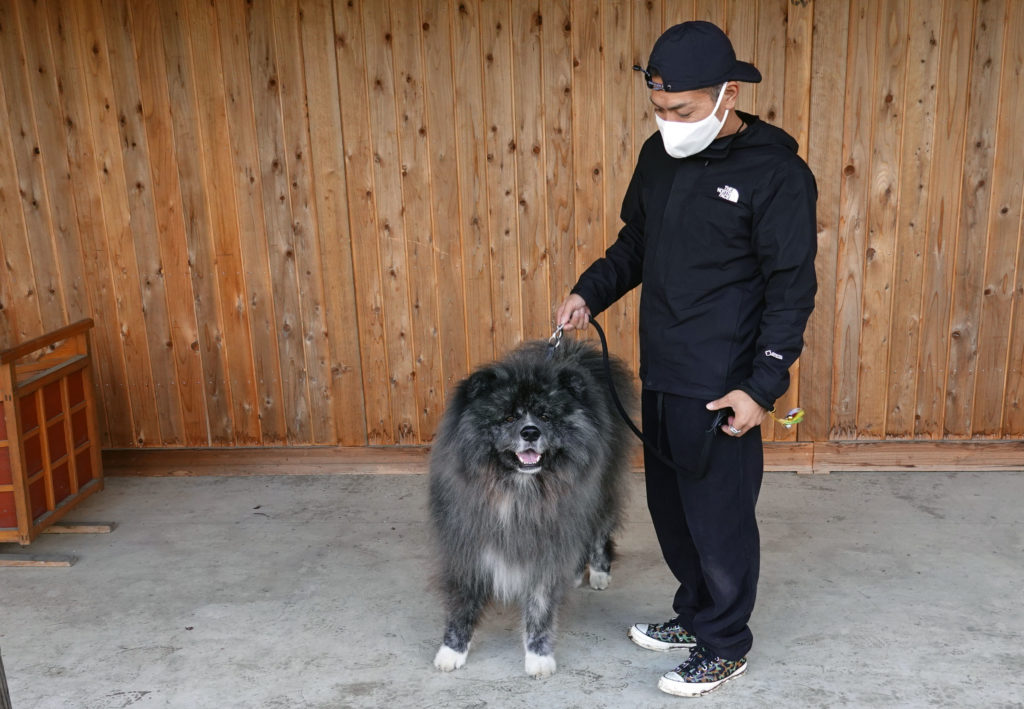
(530, 457)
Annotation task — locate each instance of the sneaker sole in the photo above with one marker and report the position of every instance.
(649, 643)
(681, 689)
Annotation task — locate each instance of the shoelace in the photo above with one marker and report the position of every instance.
(698, 659)
(670, 629)
(669, 626)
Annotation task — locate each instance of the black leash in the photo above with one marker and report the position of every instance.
(709, 434)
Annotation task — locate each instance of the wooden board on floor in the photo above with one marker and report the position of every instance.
(37, 560)
(81, 528)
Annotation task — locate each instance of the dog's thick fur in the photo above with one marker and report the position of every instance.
(526, 489)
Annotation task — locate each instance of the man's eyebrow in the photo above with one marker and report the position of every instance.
(684, 104)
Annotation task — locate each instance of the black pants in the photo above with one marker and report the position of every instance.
(706, 525)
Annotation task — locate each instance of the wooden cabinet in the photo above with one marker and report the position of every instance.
(49, 444)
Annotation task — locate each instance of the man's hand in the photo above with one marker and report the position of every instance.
(573, 313)
(748, 413)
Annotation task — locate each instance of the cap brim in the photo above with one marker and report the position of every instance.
(744, 71)
(740, 71)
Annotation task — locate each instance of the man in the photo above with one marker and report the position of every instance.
(719, 225)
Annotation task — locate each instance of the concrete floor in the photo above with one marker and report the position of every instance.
(877, 590)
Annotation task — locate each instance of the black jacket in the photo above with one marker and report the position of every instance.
(724, 242)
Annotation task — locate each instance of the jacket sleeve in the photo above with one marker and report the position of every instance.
(620, 270)
(785, 240)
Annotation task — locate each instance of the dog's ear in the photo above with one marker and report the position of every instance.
(575, 383)
(480, 383)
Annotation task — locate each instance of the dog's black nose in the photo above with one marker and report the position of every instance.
(530, 433)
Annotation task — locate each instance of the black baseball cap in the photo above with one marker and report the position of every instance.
(695, 55)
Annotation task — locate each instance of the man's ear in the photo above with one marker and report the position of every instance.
(732, 93)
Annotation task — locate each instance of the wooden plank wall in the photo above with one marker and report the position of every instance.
(300, 222)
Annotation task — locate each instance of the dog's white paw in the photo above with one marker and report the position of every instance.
(578, 581)
(447, 659)
(599, 580)
(539, 665)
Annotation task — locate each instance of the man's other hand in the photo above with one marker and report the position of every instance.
(747, 412)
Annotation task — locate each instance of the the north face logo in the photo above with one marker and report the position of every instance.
(730, 194)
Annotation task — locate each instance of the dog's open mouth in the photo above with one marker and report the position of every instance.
(529, 460)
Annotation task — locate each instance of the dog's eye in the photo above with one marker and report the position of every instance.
(510, 419)
(545, 418)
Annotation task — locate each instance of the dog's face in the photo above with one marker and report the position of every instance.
(530, 417)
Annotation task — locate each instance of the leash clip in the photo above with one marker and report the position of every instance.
(556, 337)
(554, 341)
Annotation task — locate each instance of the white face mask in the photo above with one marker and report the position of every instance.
(685, 139)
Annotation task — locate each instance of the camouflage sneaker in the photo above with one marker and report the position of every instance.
(662, 636)
(700, 674)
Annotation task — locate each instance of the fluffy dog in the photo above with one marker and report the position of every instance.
(526, 489)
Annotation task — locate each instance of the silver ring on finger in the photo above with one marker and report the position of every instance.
(735, 431)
